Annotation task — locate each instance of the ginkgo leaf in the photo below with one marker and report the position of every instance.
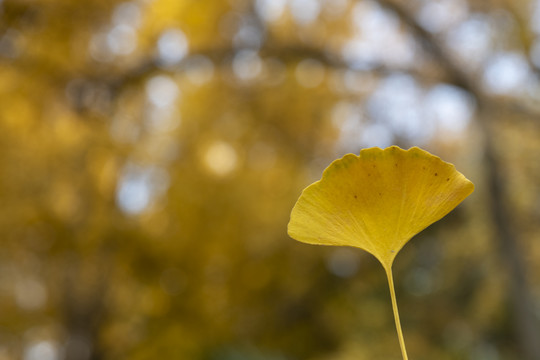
(378, 200)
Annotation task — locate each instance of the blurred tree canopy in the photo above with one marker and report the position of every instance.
(151, 152)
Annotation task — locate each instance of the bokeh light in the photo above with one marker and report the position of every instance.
(152, 151)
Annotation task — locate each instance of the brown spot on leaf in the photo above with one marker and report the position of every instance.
(436, 174)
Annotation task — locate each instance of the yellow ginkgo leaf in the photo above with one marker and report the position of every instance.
(378, 201)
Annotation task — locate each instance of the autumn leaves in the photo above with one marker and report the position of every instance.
(378, 201)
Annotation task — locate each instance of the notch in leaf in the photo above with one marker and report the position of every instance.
(377, 201)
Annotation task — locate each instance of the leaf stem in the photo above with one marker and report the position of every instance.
(396, 313)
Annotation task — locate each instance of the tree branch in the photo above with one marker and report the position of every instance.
(526, 327)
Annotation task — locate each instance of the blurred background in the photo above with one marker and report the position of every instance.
(151, 152)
